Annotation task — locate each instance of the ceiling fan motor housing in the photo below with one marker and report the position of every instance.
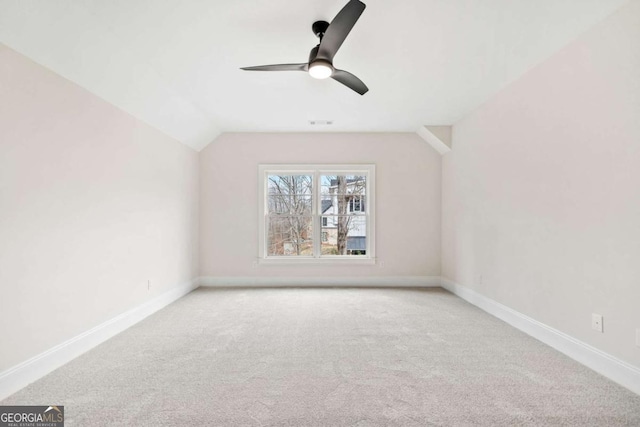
(313, 55)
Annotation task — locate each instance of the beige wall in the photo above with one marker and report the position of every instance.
(93, 203)
(407, 201)
(541, 193)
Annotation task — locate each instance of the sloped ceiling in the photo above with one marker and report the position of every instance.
(175, 64)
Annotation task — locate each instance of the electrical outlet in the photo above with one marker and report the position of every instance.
(480, 279)
(148, 285)
(596, 322)
(638, 337)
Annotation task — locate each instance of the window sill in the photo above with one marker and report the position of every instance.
(336, 260)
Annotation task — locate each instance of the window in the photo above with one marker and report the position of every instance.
(316, 213)
(356, 204)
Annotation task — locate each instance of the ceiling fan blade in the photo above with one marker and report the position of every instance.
(350, 81)
(339, 29)
(278, 67)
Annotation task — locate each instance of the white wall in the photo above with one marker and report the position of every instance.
(407, 201)
(93, 203)
(541, 193)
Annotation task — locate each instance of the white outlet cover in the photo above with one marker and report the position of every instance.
(638, 337)
(596, 322)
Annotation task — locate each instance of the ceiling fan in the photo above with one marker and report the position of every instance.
(331, 36)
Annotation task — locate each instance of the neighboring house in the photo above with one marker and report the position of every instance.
(355, 217)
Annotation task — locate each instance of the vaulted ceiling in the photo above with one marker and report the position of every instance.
(175, 64)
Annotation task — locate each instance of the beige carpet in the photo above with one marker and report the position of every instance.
(328, 357)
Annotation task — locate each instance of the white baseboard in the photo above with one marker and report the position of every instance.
(615, 369)
(355, 281)
(19, 376)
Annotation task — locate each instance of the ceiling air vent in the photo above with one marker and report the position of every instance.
(320, 122)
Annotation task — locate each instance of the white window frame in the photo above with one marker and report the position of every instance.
(317, 170)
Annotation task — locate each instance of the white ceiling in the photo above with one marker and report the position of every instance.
(175, 64)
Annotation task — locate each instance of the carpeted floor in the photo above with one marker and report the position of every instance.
(328, 357)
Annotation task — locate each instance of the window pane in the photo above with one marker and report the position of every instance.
(290, 184)
(289, 235)
(343, 184)
(345, 235)
(342, 194)
(289, 194)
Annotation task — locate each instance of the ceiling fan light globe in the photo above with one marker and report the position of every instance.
(320, 69)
